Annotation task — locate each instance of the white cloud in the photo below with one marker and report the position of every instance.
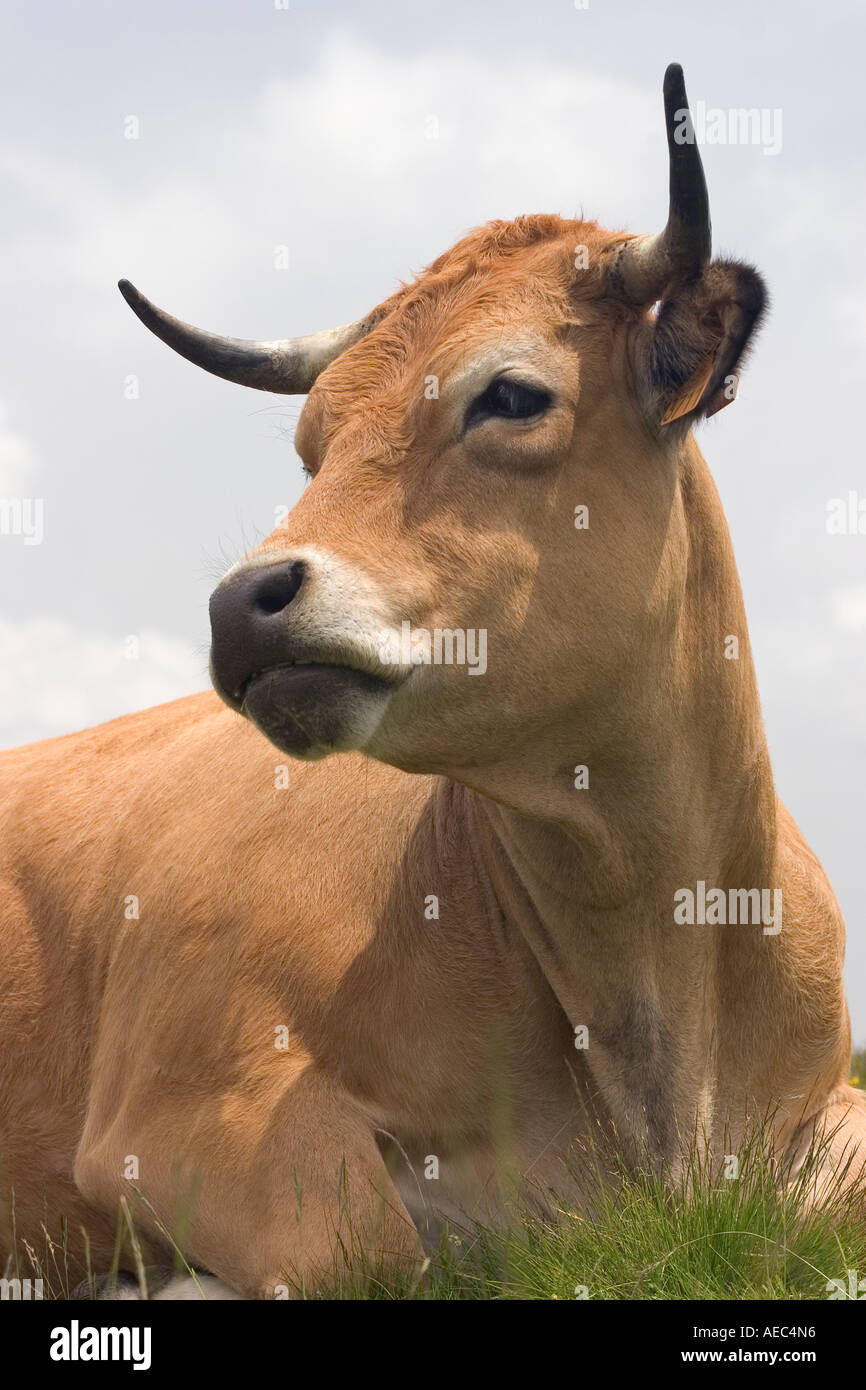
(55, 678)
(335, 163)
(364, 115)
(849, 607)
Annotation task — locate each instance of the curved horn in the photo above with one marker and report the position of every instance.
(287, 365)
(645, 266)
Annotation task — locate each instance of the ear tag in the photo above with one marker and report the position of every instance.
(723, 396)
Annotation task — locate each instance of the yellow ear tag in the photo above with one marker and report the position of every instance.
(691, 394)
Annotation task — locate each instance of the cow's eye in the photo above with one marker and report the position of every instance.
(508, 400)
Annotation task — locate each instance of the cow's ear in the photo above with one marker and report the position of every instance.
(699, 339)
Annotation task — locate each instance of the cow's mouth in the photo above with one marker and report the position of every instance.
(309, 709)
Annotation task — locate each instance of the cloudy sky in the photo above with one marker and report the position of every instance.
(364, 138)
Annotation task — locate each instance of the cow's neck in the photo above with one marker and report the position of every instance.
(680, 790)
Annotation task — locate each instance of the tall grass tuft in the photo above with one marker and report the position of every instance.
(654, 1235)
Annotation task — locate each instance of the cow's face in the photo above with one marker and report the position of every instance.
(480, 541)
(488, 538)
(491, 535)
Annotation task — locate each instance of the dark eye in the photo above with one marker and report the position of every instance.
(508, 400)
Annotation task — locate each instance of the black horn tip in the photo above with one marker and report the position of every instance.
(134, 298)
(674, 90)
(153, 318)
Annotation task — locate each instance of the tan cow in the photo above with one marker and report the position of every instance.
(265, 994)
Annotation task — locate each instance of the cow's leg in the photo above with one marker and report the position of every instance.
(839, 1130)
(270, 1198)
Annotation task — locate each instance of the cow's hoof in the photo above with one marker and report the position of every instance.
(107, 1288)
(162, 1286)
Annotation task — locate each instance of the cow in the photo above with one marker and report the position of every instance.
(471, 866)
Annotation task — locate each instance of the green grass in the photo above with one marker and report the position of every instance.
(750, 1237)
(651, 1236)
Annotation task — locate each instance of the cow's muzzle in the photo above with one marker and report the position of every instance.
(287, 654)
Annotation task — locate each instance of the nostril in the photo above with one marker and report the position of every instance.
(277, 589)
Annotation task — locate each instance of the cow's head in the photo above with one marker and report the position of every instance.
(494, 457)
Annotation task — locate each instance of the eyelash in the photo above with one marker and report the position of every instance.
(505, 399)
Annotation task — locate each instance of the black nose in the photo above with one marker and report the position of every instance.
(248, 623)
